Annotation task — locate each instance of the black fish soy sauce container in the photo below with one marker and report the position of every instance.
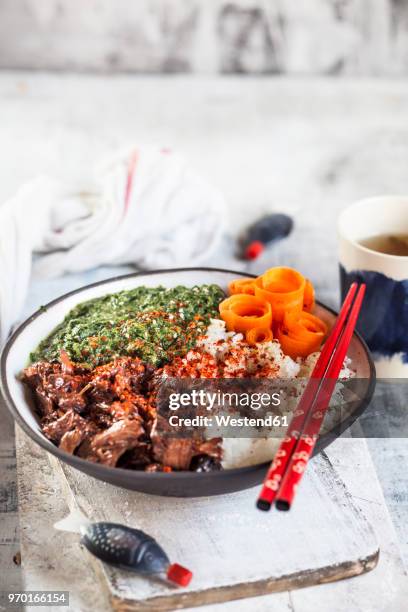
(133, 550)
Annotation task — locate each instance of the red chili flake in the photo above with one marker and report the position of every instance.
(93, 341)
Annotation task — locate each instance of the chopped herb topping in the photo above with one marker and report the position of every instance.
(153, 323)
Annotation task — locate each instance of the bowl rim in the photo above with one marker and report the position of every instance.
(101, 469)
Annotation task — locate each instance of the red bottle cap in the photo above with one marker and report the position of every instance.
(179, 574)
(254, 249)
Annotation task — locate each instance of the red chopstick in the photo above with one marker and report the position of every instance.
(275, 473)
(306, 443)
(294, 451)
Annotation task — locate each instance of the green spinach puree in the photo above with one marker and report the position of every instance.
(155, 324)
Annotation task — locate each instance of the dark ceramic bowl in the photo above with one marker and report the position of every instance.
(180, 484)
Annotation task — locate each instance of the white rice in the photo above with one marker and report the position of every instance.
(240, 452)
(217, 342)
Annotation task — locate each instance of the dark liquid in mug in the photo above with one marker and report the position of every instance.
(389, 244)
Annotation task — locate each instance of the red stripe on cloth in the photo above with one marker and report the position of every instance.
(130, 176)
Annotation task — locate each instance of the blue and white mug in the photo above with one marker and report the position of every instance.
(383, 320)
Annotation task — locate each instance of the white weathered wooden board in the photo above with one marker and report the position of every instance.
(54, 559)
(234, 550)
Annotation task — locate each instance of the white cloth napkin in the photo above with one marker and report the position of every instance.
(146, 206)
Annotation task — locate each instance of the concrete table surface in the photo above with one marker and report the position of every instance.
(307, 147)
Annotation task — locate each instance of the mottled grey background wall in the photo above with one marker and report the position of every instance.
(364, 37)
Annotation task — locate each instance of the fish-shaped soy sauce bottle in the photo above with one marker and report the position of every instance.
(264, 231)
(126, 548)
